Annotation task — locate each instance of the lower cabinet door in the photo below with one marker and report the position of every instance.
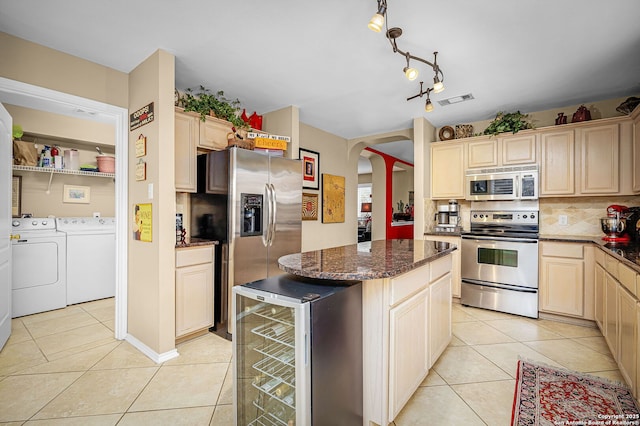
(627, 340)
(611, 314)
(562, 286)
(599, 297)
(408, 361)
(439, 317)
(194, 298)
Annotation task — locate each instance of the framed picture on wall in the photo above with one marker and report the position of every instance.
(310, 169)
(333, 196)
(76, 194)
(309, 206)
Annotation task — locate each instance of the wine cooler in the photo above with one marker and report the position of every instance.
(297, 352)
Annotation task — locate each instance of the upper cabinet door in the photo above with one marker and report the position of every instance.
(483, 153)
(186, 139)
(600, 152)
(214, 133)
(557, 163)
(447, 170)
(636, 149)
(518, 150)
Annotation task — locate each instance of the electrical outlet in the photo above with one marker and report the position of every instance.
(563, 220)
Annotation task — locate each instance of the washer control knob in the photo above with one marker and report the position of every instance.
(34, 222)
(44, 222)
(15, 223)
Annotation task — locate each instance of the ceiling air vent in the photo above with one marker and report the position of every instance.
(456, 99)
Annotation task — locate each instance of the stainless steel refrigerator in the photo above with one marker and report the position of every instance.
(297, 352)
(263, 202)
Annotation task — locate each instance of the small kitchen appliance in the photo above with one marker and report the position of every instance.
(615, 224)
(633, 223)
(447, 218)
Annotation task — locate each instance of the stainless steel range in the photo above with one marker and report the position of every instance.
(500, 261)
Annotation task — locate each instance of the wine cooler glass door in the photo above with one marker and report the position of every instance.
(270, 360)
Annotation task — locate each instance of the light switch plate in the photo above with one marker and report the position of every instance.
(150, 191)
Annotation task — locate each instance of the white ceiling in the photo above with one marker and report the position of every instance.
(527, 55)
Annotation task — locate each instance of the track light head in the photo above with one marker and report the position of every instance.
(428, 106)
(377, 21)
(410, 73)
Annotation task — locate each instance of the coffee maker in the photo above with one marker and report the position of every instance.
(448, 217)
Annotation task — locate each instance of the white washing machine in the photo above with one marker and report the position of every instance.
(91, 257)
(39, 256)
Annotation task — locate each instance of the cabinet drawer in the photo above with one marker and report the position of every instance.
(439, 268)
(193, 256)
(408, 283)
(627, 277)
(611, 265)
(562, 250)
(600, 255)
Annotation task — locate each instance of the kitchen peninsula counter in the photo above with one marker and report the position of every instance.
(365, 261)
(406, 303)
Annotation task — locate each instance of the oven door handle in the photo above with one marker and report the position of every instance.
(492, 238)
(499, 286)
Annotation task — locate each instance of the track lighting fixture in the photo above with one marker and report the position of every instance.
(377, 21)
(411, 73)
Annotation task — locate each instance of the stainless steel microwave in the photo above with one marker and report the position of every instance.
(504, 183)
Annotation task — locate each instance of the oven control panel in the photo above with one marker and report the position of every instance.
(505, 217)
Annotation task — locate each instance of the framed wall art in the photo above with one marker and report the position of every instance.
(309, 206)
(76, 194)
(333, 194)
(310, 169)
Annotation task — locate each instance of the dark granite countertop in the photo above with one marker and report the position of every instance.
(194, 242)
(627, 253)
(365, 261)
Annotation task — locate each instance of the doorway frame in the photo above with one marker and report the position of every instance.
(40, 98)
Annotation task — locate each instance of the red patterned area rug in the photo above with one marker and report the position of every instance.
(548, 396)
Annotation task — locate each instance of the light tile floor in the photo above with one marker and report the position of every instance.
(65, 368)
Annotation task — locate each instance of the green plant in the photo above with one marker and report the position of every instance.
(17, 131)
(204, 102)
(508, 122)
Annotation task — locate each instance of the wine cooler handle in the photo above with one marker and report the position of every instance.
(306, 350)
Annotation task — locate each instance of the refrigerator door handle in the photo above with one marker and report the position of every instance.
(274, 206)
(267, 229)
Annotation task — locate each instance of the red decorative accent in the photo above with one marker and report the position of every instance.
(623, 239)
(393, 232)
(255, 121)
(545, 395)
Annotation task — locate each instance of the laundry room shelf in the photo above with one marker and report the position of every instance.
(63, 171)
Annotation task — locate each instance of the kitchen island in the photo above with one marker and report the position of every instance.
(406, 312)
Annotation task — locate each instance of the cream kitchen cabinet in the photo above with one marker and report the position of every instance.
(186, 141)
(406, 326)
(599, 296)
(586, 159)
(557, 174)
(408, 329)
(194, 289)
(610, 331)
(447, 170)
(213, 133)
(627, 336)
(599, 159)
(456, 258)
(439, 316)
(562, 284)
(502, 151)
(635, 116)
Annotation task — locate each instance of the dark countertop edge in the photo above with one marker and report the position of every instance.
(363, 276)
(198, 243)
(597, 241)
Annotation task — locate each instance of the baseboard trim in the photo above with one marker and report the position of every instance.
(153, 355)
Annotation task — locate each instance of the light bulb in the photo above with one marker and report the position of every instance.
(376, 23)
(438, 86)
(411, 73)
(428, 107)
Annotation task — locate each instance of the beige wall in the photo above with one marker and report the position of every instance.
(402, 184)
(333, 160)
(40, 66)
(151, 289)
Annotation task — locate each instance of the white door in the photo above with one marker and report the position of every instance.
(6, 149)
